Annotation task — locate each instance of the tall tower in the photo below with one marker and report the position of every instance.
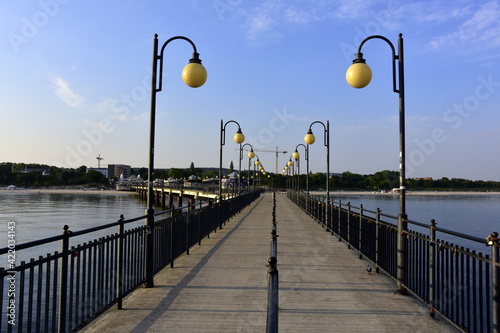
(99, 159)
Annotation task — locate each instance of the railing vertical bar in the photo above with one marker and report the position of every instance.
(85, 287)
(480, 299)
(468, 292)
(47, 293)
(71, 291)
(187, 229)
(20, 294)
(119, 276)
(474, 294)
(487, 293)
(463, 284)
(2, 281)
(76, 315)
(432, 265)
(495, 280)
(55, 295)
(171, 258)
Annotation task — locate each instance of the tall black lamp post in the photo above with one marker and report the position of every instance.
(194, 75)
(359, 76)
(251, 154)
(238, 138)
(255, 164)
(309, 139)
(296, 156)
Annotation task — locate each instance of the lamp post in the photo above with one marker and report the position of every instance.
(250, 155)
(290, 165)
(194, 75)
(309, 139)
(255, 164)
(358, 76)
(296, 155)
(238, 138)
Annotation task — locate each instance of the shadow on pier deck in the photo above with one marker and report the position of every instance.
(222, 285)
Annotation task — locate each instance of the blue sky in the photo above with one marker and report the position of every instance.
(75, 78)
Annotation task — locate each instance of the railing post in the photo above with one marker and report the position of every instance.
(172, 217)
(150, 223)
(63, 284)
(349, 225)
(272, 296)
(360, 234)
(377, 244)
(432, 258)
(495, 280)
(119, 277)
(338, 219)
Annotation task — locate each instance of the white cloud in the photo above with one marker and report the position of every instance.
(478, 33)
(64, 92)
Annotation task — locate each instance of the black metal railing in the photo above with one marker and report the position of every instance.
(273, 278)
(65, 290)
(460, 284)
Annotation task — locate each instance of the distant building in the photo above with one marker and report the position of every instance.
(104, 171)
(119, 171)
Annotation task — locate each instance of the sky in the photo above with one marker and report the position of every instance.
(75, 82)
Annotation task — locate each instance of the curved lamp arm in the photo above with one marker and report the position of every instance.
(306, 157)
(395, 58)
(223, 131)
(326, 137)
(241, 150)
(159, 57)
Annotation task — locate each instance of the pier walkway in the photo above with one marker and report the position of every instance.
(221, 286)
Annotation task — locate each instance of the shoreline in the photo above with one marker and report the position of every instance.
(408, 193)
(336, 193)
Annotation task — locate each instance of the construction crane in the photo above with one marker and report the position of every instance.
(99, 159)
(276, 151)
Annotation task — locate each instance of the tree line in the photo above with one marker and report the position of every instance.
(31, 175)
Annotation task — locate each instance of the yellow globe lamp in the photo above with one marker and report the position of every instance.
(296, 154)
(251, 154)
(290, 163)
(309, 138)
(359, 74)
(239, 137)
(257, 163)
(194, 74)
(286, 167)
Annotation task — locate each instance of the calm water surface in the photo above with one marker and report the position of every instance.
(475, 214)
(41, 215)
